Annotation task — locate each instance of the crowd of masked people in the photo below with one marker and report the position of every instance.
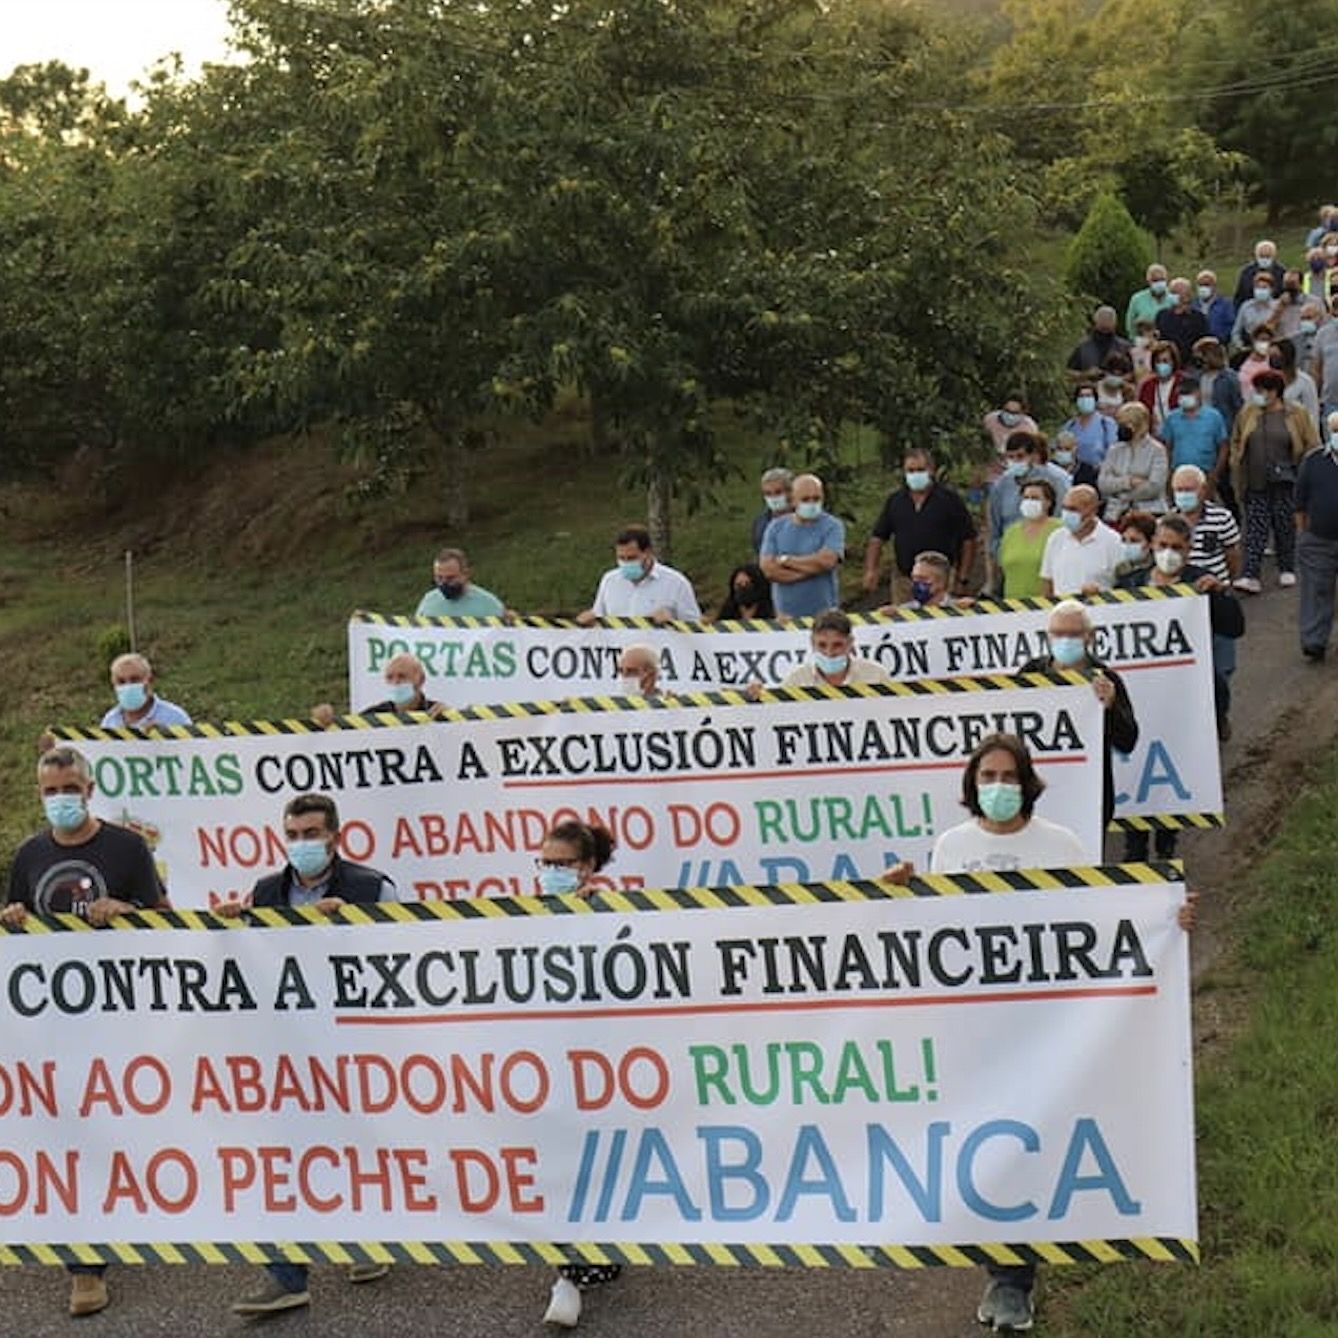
(1201, 449)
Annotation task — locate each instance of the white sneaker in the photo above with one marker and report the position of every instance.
(1287, 579)
(564, 1305)
(1249, 584)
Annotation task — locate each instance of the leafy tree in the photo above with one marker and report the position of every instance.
(1108, 258)
(1270, 101)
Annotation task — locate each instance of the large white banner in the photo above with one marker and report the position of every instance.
(808, 786)
(920, 1070)
(1161, 642)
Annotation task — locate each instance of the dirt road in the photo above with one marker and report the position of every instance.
(1285, 716)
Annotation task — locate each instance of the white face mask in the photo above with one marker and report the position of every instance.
(1168, 560)
(1033, 508)
(629, 685)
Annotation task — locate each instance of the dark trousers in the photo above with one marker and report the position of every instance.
(1276, 509)
(1022, 1276)
(291, 1277)
(1136, 845)
(1317, 567)
(97, 1270)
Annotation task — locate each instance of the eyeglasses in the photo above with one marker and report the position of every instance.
(541, 863)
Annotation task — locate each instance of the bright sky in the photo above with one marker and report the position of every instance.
(116, 40)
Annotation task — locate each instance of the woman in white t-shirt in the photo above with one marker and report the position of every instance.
(1000, 788)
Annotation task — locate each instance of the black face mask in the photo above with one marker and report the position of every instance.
(451, 589)
(745, 594)
(1124, 432)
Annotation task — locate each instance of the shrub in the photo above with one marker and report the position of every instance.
(1108, 258)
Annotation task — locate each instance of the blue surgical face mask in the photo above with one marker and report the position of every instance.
(1205, 293)
(1000, 801)
(631, 571)
(1186, 500)
(1134, 552)
(65, 812)
(1259, 399)
(556, 880)
(1068, 650)
(1008, 418)
(1309, 326)
(131, 696)
(917, 480)
(1158, 287)
(308, 857)
(1333, 442)
(1189, 400)
(776, 501)
(1017, 468)
(1164, 370)
(808, 510)
(1072, 519)
(1086, 403)
(402, 693)
(831, 665)
(1062, 458)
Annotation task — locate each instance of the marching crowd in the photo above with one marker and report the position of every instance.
(1202, 440)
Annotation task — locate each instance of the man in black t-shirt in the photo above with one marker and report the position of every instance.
(80, 864)
(89, 868)
(924, 516)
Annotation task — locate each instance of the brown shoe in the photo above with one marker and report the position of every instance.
(88, 1294)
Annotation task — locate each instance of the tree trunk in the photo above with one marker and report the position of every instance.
(455, 455)
(601, 431)
(659, 500)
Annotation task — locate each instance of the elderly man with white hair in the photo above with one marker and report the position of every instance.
(1317, 541)
(776, 484)
(1216, 542)
(1070, 634)
(137, 704)
(639, 671)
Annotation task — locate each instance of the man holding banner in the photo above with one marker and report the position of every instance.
(319, 878)
(86, 867)
(1069, 631)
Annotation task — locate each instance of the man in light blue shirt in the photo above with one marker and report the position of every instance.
(1195, 433)
(801, 553)
(453, 595)
(137, 705)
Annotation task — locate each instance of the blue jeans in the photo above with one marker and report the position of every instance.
(291, 1277)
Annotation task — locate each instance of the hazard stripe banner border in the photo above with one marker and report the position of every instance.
(972, 609)
(1162, 1249)
(666, 899)
(920, 687)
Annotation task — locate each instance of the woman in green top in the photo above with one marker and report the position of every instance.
(1023, 542)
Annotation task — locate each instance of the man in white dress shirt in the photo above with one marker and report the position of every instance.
(640, 586)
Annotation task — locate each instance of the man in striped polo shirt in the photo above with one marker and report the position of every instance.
(1216, 536)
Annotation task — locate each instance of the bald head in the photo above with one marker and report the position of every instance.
(1082, 497)
(406, 668)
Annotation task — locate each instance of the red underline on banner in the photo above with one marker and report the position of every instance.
(764, 775)
(764, 1006)
(1160, 664)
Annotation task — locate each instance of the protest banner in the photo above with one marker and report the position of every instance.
(815, 784)
(812, 1075)
(1160, 637)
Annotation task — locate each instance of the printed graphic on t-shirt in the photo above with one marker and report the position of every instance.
(69, 887)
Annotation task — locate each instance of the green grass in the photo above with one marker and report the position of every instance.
(245, 576)
(1267, 1122)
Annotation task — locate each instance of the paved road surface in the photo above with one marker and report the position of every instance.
(1286, 715)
